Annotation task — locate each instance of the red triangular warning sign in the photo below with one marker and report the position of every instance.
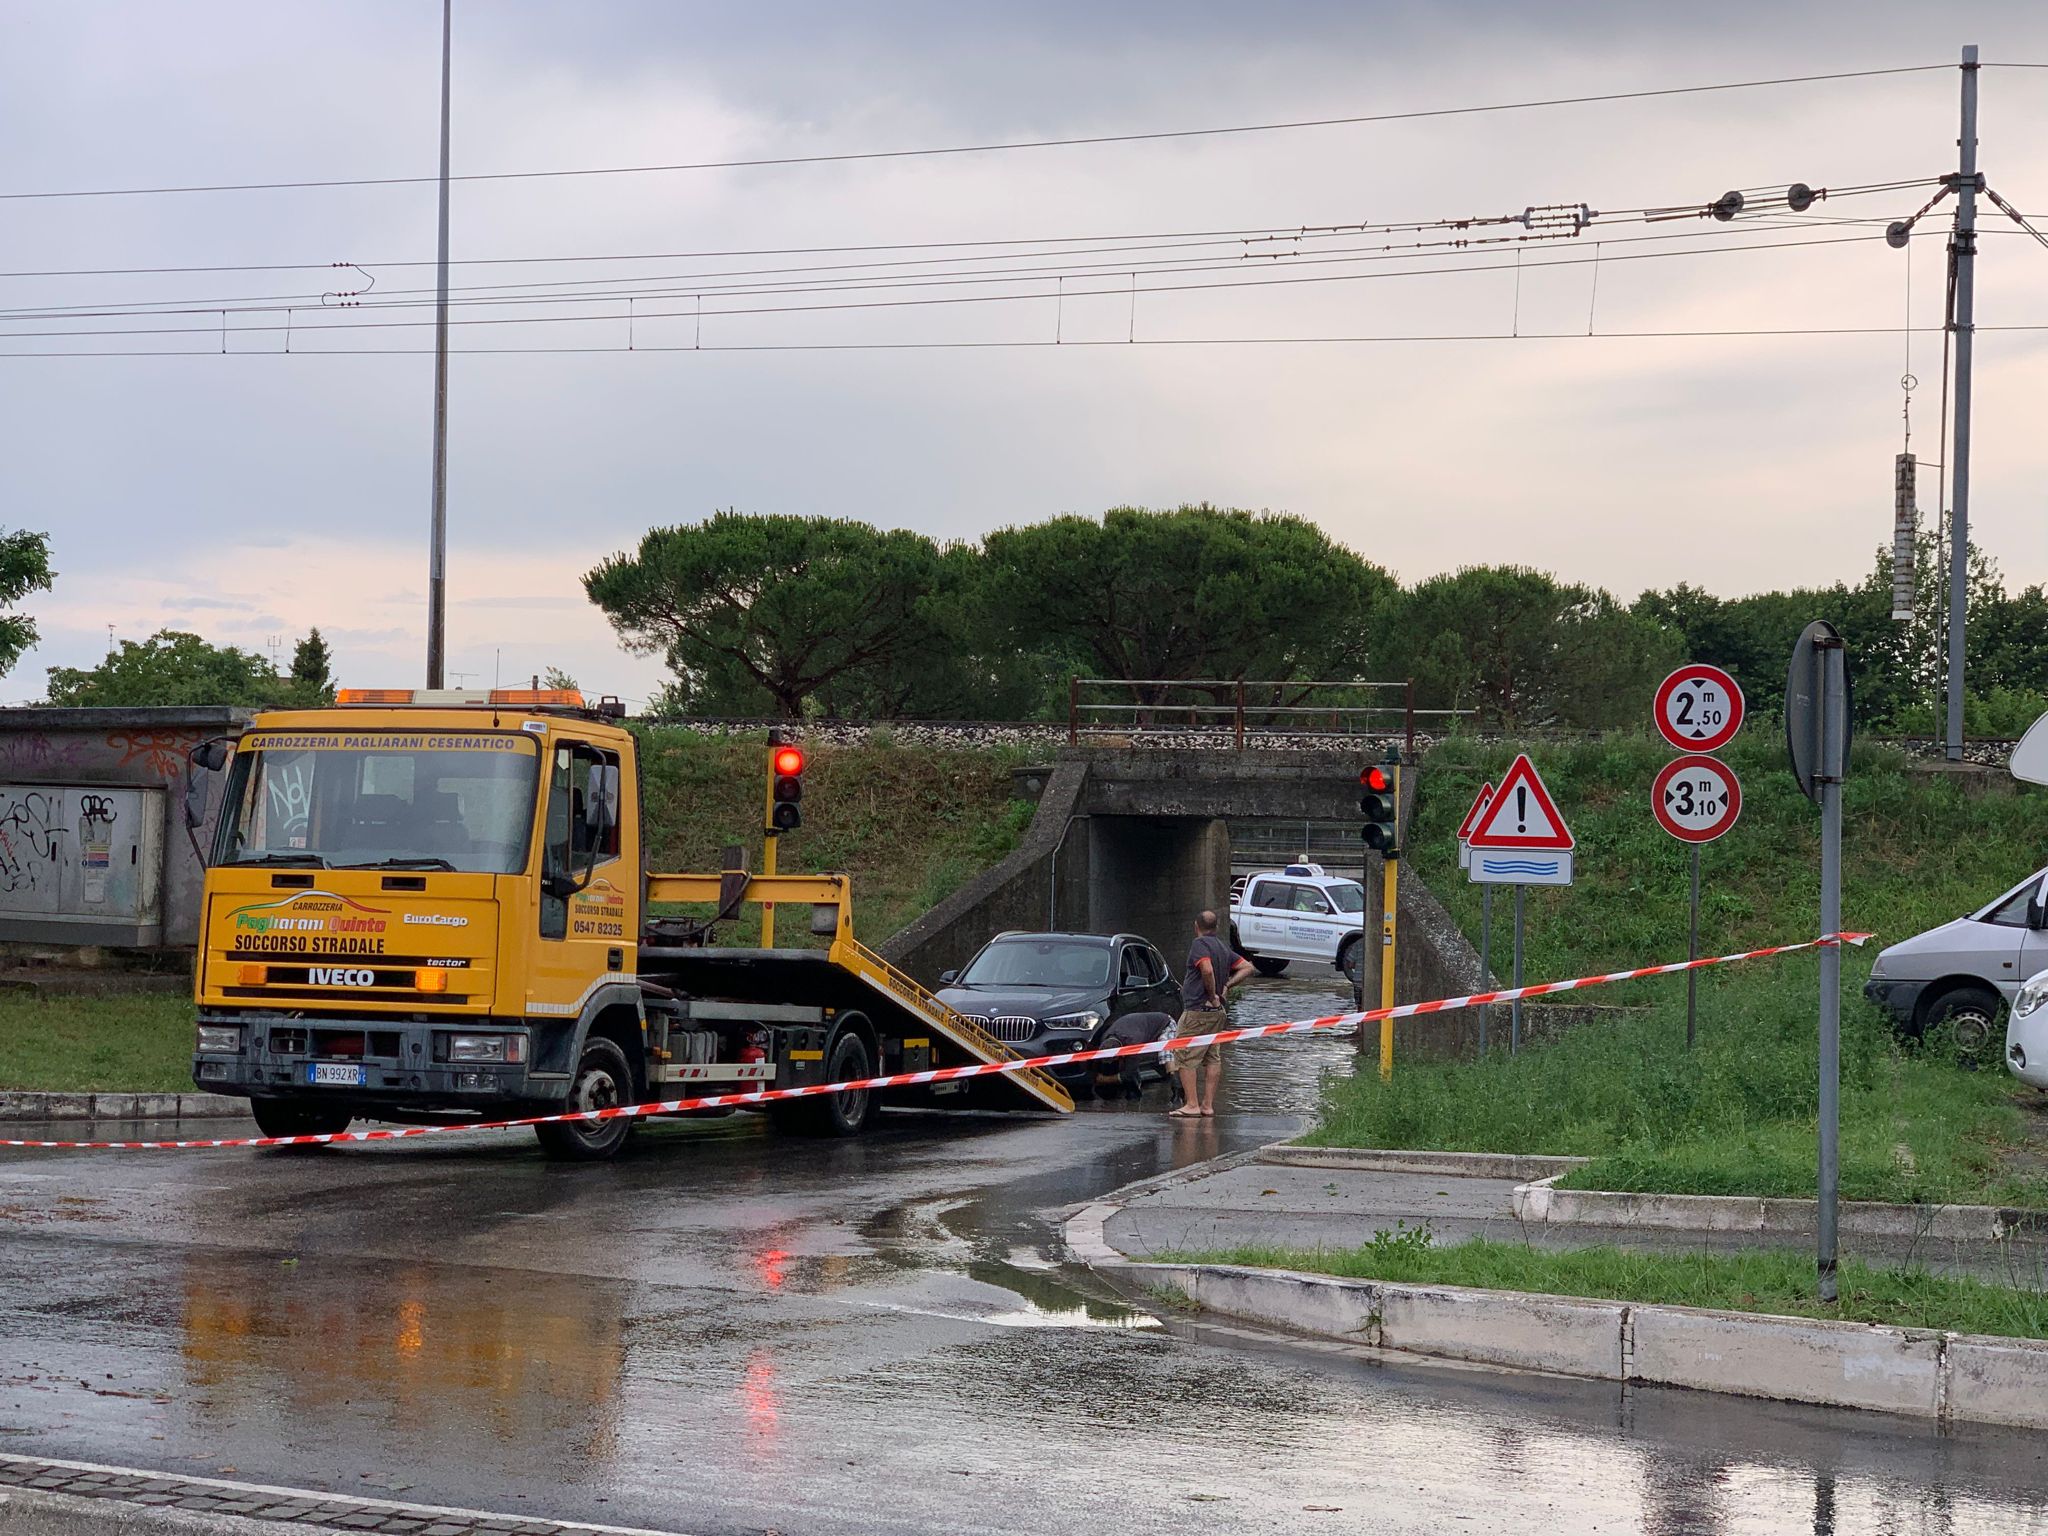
(1479, 804)
(1521, 814)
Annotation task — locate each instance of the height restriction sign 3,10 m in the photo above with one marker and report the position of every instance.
(1696, 798)
(1698, 708)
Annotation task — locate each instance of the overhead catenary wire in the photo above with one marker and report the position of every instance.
(673, 285)
(993, 147)
(1267, 281)
(1735, 333)
(982, 249)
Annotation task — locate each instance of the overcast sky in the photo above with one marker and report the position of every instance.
(257, 494)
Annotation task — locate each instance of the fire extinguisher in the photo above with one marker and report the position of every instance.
(756, 1048)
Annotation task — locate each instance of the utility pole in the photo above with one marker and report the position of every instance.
(1964, 248)
(437, 557)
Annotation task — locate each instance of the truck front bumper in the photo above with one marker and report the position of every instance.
(400, 1063)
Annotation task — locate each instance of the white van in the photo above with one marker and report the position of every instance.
(1301, 912)
(1965, 972)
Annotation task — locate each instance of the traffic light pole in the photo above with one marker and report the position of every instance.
(1390, 908)
(769, 840)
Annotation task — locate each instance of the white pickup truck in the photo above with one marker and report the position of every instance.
(1302, 912)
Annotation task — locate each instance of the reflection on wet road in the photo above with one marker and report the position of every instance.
(726, 1332)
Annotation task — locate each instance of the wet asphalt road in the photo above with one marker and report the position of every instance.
(729, 1332)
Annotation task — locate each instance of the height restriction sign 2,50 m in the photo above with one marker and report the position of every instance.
(1696, 798)
(1698, 708)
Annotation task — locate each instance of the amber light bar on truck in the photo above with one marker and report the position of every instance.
(563, 698)
(506, 698)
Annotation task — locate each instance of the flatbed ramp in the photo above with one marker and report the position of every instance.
(812, 978)
(847, 977)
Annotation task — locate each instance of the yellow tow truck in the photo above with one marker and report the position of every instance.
(434, 907)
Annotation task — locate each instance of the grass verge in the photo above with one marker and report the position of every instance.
(1736, 1113)
(1766, 1281)
(105, 1044)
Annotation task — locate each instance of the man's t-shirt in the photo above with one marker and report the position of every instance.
(1194, 992)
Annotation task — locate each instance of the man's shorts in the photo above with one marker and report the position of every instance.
(1200, 1021)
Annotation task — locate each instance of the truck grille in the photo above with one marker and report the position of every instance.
(1010, 1027)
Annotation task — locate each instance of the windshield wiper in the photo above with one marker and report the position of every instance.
(406, 861)
(313, 859)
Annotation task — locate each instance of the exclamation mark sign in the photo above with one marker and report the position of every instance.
(1521, 807)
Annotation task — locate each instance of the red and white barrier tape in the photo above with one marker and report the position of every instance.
(954, 1074)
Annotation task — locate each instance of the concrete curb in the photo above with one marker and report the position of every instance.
(1946, 1376)
(22, 1106)
(1541, 1202)
(1471, 1165)
(1926, 1374)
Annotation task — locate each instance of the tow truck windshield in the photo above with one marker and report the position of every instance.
(396, 800)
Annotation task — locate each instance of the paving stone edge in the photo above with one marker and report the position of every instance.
(216, 1506)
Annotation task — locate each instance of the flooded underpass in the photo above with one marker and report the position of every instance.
(727, 1332)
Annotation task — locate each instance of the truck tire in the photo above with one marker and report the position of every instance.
(834, 1114)
(298, 1117)
(1266, 965)
(602, 1080)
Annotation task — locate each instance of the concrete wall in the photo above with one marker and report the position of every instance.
(1151, 874)
(1043, 883)
(139, 748)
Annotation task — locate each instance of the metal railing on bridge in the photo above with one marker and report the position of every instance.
(1240, 707)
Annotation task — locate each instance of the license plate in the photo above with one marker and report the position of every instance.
(334, 1074)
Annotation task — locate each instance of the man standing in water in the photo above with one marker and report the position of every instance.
(1212, 971)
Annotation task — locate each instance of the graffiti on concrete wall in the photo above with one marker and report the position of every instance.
(27, 753)
(32, 833)
(161, 751)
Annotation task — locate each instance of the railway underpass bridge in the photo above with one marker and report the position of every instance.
(1139, 841)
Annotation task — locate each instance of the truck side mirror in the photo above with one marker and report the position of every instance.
(208, 756)
(196, 796)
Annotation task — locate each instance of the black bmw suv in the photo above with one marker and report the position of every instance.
(1045, 992)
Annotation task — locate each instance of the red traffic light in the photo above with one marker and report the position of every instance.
(1377, 779)
(788, 761)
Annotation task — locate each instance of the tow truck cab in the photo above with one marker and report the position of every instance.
(420, 906)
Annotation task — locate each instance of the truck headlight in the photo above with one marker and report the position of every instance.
(511, 1048)
(1083, 1022)
(2032, 996)
(220, 1039)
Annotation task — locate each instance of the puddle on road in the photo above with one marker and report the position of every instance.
(1285, 1075)
(934, 1242)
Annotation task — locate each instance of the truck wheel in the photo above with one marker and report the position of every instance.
(1266, 965)
(298, 1117)
(603, 1080)
(835, 1114)
(1968, 1017)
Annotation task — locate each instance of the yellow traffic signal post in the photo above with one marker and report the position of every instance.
(1381, 805)
(781, 813)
